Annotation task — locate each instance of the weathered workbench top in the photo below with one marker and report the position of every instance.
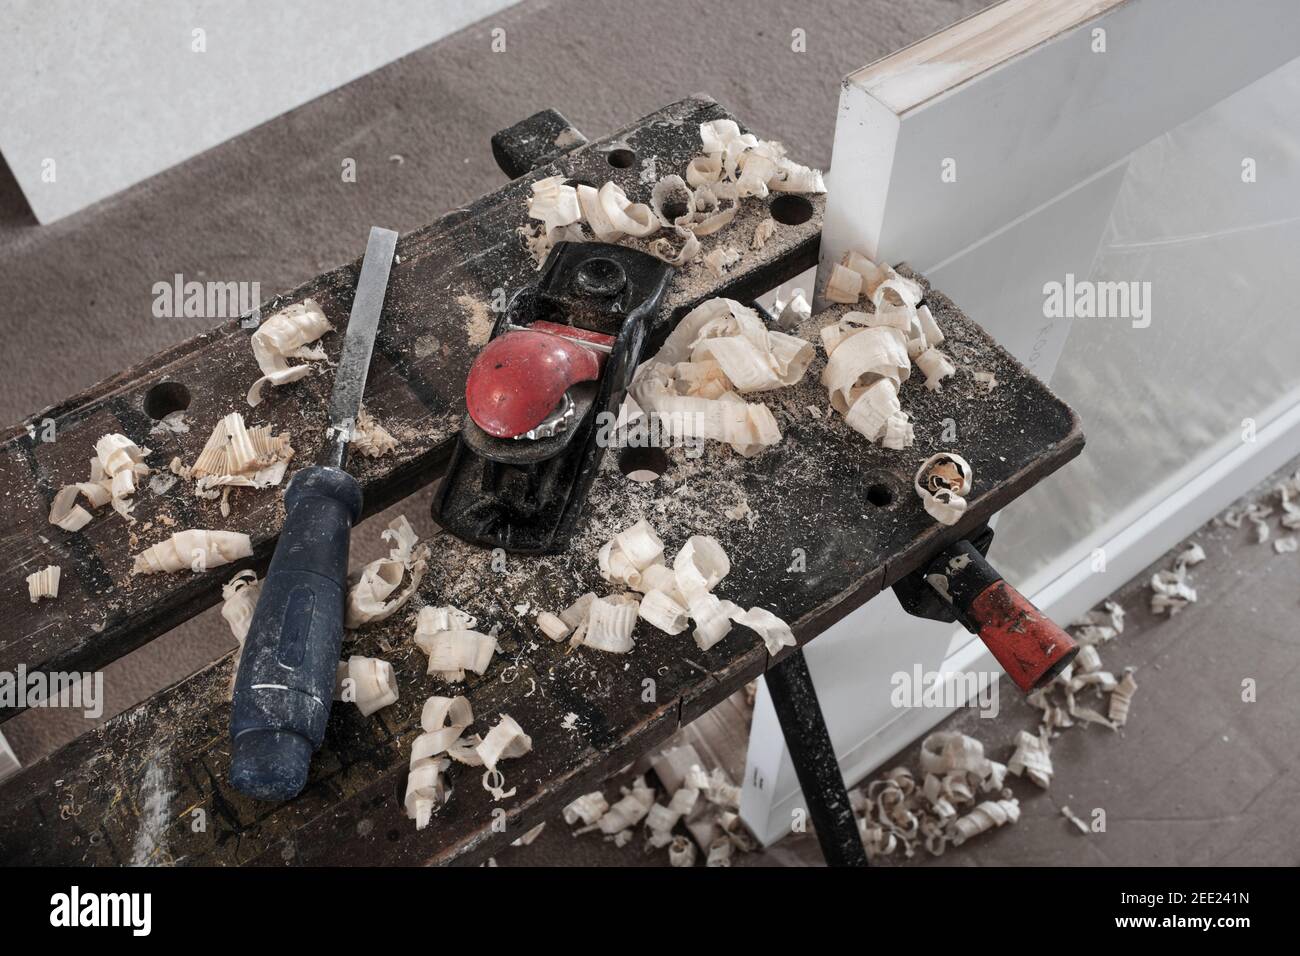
(831, 521)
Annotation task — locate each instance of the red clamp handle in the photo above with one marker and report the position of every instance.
(1028, 645)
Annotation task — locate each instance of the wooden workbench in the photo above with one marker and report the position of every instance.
(128, 790)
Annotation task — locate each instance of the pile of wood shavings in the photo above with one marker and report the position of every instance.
(1258, 513)
(949, 806)
(701, 811)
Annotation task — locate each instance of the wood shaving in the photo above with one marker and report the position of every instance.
(444, 633)
(442, 720)
(1121, 698)
(367, 681)
(1032, 758)
(236, 456)
(588, 809)
(747, 165)
(115, 472)
(285, 335)
(942, 482)
(370, 438)
(552, 626)
(44, 583)
(720, 260)
(720, 351)
(681, 852)
(505, 741)
(1073, 817)
(986, 816)
(195, 550)
(764, 231)
(1171, 589)
(370, 595)
(239, 598)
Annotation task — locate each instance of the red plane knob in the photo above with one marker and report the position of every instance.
(520, 377)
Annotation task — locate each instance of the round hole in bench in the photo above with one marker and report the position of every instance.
(880, 494)
(790, 209)
(643, 464)
(621, 158)
(165, 398)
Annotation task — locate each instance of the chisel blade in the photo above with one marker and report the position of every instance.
(367, 306)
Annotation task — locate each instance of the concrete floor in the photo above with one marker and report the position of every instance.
(1197, 777)
(270, 206)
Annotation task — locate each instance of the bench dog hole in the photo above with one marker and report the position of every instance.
(643, 464)
(791, 210)
(879, 494)
(621, 158)
(165, 398)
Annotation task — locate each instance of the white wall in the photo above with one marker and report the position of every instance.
(113, 93)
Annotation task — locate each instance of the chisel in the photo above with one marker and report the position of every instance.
(287, 669)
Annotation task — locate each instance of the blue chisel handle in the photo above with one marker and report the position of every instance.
(287, 669)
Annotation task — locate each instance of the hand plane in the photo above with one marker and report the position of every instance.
(561, 356)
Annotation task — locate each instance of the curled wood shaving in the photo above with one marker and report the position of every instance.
(195, 550)
(681, 852)
(115, 471)
(370, 596)
(720, 351)
(1171, 589)
(285, 335)
(934, 365)
(1121, 698)
(239, 598)
(426, 790)
(554, 203)
(505, 741)
(444, 633)
(373, 683)
(552, 626)
(986, 816)
(609, 624)
(746, 165)
(370, 438)
(1032, 758)
(942, 482)
(627, 554)
(44, 583)
(588, 809)
(660, 610)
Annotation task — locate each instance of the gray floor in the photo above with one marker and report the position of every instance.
(270, 206)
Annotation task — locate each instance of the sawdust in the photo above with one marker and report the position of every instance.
(481, 320)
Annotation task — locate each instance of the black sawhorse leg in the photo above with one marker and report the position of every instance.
(795, 700)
